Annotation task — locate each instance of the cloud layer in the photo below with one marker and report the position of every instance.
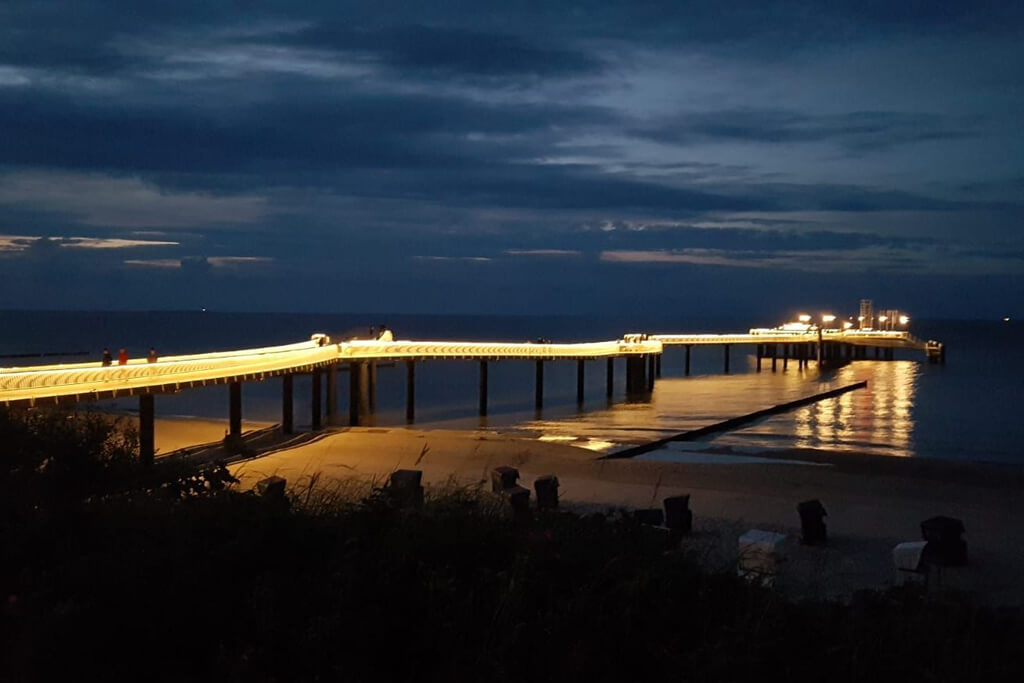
(544, 154)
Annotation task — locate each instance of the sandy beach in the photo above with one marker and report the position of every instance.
(872, 502)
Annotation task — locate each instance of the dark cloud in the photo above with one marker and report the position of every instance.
(447, 52)
(324, 129)
(857, 132)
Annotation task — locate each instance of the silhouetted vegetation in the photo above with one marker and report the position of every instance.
(166, 574)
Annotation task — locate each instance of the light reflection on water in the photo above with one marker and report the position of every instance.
(878, 419)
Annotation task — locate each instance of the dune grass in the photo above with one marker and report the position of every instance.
(174, 575)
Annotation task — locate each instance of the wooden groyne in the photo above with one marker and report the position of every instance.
(732, 423)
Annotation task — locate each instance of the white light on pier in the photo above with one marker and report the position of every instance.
(904, 320)
(804, 318)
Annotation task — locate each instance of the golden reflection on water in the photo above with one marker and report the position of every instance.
(882, 415)
(877, 419)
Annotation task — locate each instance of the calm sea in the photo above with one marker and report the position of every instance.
(965, 410)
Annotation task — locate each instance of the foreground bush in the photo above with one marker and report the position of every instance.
(179, 578)
(229, 586)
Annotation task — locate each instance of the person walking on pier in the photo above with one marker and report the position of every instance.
(151, 358)
(107, 358)
(122, 357)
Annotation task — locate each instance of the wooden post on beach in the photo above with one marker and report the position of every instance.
(609, 378)
(483, 387)
(538, 399)
(332, 393)
(287, 404)
(688, 347)
(317, 398)
(410, 391)
(235, 409)
(579, 382)
(726, 347)
(147, 415)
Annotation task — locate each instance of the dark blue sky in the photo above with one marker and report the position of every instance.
(699, 157)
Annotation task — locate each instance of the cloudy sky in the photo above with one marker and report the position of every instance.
(585, 156)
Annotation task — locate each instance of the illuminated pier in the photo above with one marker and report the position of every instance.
(321, 359)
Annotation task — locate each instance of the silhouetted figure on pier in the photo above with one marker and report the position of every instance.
(122, 357)
(151, 358)
(107, 358)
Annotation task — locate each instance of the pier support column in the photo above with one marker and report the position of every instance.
(317, 408)
(147, 433)
(483, 387)
(371, 386)
(688, 348)
(657, 364)
(726, 348)
(332, 394)
(785, 357)
(538, 400)
(650, 372)
(235, 409)
(760, 354)
(410, 391)
(889, 354)
(609, 378)
(579, 382)
(357, 403)
(775, 357)
(636, 370)
(878, 352)
(287, 405)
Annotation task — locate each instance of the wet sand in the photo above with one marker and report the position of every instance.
(873, 502)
